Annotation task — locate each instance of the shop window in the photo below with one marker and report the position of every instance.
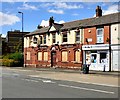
(39, 56)
(77, 56)
(45, 56)
(64, 37)
(78, 36)
(100, 35)
(93, 58)
(54, 40)
(28, 56)
(103, 57)
(64, 56)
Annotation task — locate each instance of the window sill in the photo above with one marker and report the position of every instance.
(43, 44)
(39, 60)
(75, 62)
(77, 42)
(64, 43)
(99, 43)
(64, 61)
(45, 60)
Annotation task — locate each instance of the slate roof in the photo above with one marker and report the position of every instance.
(90, 22)
(40, 31)
(57, 26)
(103, 20)
(74, 24)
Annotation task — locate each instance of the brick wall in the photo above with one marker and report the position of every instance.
(71, 63)
(91, 33)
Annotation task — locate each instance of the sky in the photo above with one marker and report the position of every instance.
(38, 13)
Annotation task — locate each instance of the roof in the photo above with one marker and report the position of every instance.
(90, 22)
(74, 24)
(103, 20)
(39, 31)
(57, 26)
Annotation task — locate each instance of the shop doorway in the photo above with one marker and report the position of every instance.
(93, 58)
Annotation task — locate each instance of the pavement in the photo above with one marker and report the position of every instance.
(92, 72)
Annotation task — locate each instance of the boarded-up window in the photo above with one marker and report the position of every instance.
(28, 56)
(39, 55)
(45, 56)
(64, 56)
(77, 56)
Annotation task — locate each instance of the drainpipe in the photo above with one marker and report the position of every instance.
(109, 48)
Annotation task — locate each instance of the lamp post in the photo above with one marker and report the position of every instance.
(22, 29)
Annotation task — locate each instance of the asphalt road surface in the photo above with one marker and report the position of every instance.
(20, 85)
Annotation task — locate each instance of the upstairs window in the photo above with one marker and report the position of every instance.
(100, 35)
(54, 39)
(35, 40)
(64, 37)
(41, 39)
(44, 38)
(78, 36)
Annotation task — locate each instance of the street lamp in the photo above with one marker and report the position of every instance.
(22, 29)
(22, 19)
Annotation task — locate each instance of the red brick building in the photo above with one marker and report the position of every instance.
(58, 45)
(97, 52)
(67, 45)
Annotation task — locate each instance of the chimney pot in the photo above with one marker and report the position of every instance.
(98, 11)
(51, 21)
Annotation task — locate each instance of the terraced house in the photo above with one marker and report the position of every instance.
(102, 45)
(69, 44)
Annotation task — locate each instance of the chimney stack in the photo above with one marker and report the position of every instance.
(51, 21)
(98, 11)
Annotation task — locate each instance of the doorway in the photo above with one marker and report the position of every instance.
(53, 58)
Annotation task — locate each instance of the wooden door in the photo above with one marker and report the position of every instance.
(53, 58)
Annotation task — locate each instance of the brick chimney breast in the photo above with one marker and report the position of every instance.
(51, 21)
(98, 11)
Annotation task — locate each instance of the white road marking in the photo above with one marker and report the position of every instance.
(45, 81)
(95, 90)
(99, 84)
(34, 76)
(48, 81)
(30, 80)
(11, 74)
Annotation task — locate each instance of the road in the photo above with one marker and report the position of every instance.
(20, 84)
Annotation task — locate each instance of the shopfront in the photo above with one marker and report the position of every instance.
(96, 56)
